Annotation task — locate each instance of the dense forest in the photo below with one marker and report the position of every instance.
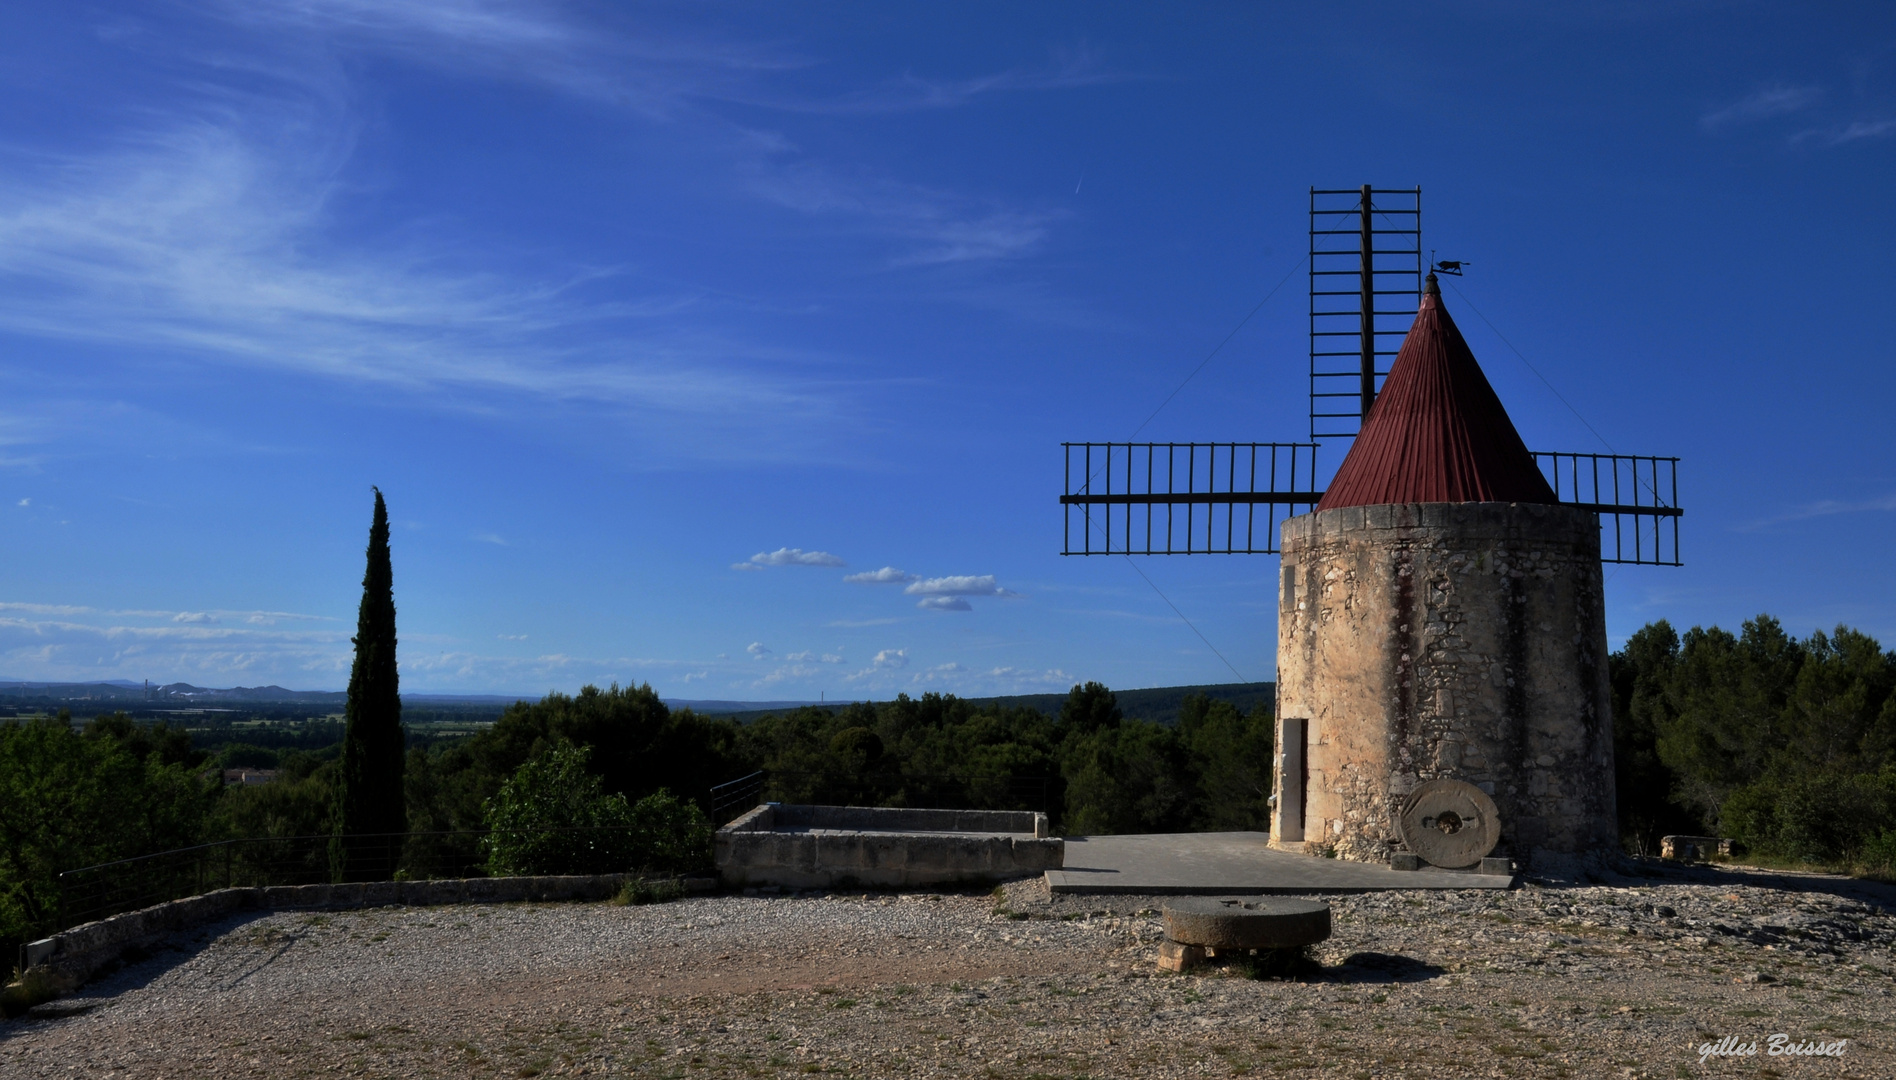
(1788, 745)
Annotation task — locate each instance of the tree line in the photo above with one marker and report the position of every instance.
(1788, 745)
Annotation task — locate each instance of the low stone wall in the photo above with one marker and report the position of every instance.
(73, 956)
(803, 847)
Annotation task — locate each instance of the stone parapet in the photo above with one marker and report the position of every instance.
(802, 847)
(75, 955)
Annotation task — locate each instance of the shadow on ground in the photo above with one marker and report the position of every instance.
(1375, 967)
(137, 967)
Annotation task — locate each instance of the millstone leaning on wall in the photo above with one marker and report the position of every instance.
(1462, 640)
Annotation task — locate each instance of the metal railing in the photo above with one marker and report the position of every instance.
(732, 798)
(95, 892)
(941, 791)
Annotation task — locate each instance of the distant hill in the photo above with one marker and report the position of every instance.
(737, 708)
(1159, 704)
(185, 695)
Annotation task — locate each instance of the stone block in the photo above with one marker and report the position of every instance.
(36, 953)
(1174, 956)
(1496, 864)
(1405, 860)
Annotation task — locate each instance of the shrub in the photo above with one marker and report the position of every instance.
(554, 817)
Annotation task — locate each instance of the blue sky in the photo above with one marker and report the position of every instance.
(657, 324)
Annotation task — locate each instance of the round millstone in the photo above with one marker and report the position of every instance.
(1450, 823)
(1246, 922)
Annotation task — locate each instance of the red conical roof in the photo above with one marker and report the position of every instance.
(1437, 432)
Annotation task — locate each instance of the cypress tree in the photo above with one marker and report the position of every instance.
(370, 798)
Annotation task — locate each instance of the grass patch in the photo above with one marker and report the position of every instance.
(640, 891)
(32, 987)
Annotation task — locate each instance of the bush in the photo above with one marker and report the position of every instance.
(554, 817)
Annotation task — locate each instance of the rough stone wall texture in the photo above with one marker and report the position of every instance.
(1463, 640)
(804, 847)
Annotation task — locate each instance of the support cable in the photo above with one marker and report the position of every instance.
(1550, 386)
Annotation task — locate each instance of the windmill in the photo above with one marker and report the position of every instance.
(1441, 629)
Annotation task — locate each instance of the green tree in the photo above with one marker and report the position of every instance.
(638, 744)
(1230, 758)
(69, 801)
(370, 804)
(1642, 675)
(553, 816)
(1087, 709)
(1131, 777)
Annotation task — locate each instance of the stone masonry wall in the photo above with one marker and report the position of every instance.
(1463, 640)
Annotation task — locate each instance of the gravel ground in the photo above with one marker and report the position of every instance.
(1604, 980)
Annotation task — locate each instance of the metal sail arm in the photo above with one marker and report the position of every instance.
(1183, 498)
(1636, 496)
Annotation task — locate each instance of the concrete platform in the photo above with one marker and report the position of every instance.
(1233, 863)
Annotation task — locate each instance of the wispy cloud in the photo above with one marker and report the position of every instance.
(1066, 69)
(757, 650)
(809, 657)
(931, 226)
(1772, 101)
(888, 575)
(888, 659)
(796, 557)
(491, 538)
(1823, 508)
(1851, 132)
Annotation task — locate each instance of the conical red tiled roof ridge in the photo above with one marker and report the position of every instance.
(1437, 432)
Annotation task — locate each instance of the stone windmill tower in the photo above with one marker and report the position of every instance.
(1441, 654)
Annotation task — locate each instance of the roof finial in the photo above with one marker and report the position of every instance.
(1430, 287)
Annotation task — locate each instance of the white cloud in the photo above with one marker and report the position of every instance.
(1763, 105)
(1022, 677)
(695, 676)
(757, 649)
(796, 557)
(944, 603)
(948, 668)
(747, 567)
(888, 575)
(511, 637)
(784, 674)
(889, 659)
(959, 585)
(26, 502)
(194, 617)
